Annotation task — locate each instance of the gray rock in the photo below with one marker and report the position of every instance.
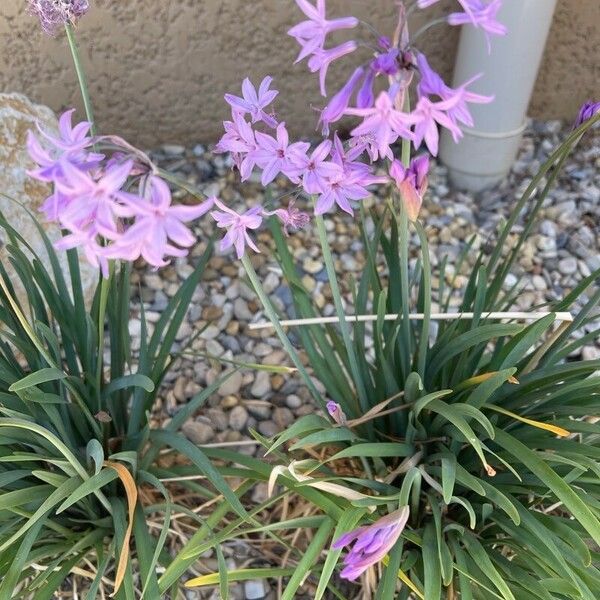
(293, 401)
(198, 432)
(241, 310)
(238, 417)
(568, 266)
(283, 417)
(590, 353)
(255, 589)
(258, 408)
(262, 384)
(268, 428)
(231, 385)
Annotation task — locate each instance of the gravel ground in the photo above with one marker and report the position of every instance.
(565, 248)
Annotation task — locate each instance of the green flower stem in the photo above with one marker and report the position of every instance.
(274, 318)
(103, 301)
(344, 326)
(406, 333)
(83, 85)
(105, 283)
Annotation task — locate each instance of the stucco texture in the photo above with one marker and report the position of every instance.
(158, 69)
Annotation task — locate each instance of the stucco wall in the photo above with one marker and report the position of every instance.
(159, 68)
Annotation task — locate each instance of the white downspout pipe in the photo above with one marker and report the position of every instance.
(485, 154)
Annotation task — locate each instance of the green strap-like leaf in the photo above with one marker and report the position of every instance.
(572, 501)
(37, 378)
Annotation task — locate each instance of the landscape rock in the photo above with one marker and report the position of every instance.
(18, 116)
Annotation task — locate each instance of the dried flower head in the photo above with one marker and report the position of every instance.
(53, 14)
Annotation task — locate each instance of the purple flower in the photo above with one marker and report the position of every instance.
(387, 63)
(321, 60)
(239, 139)
(427, 115)
(481, 15)
(346, 159)
(277, 155)
(432, 84)
(311, 34)
(53, 14)
(157, 227)
(338, 105)
(366, 96)
(291, 217)
(349, 184)
(91, 201)
(70, 138)
(412, 183)
(69, 146)
(316, 169)
(340, 190)
(237, 227)
(87, 241)
(384, 122)
(371, 543)
(335, 412)
(587, 111)
(254, 103)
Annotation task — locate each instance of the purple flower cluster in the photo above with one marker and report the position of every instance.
(54, 14)
(328, 171)
(336, 173)
(384, 117)
(111, 206)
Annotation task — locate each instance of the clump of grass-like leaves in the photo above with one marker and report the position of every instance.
(479, 426)
(78, 469)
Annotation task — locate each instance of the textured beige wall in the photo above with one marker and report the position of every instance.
(159, 68)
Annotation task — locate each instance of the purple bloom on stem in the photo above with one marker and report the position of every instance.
(481, 15)
(366, 96)
(412, 183)
(321, 60)
(53, 14)
(433, 85)
(254, 103)
(587, 111)
(316, 169)
(158, 226)
(340, 190)
(277, 155)
(338, 105)
(87, 241)
(427, 115)
(387, 64)
(311, 34)
(349, 184)
(291, 217)
(237, 227)
(70, 138)
(92, 201)
(384, 122)
(371, 542)
(335, 412)
(69, 146)
(239, 139)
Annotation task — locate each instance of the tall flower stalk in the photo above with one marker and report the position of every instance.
(81, 77)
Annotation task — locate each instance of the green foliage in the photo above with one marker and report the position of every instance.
(75, 432)
(478, 425)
